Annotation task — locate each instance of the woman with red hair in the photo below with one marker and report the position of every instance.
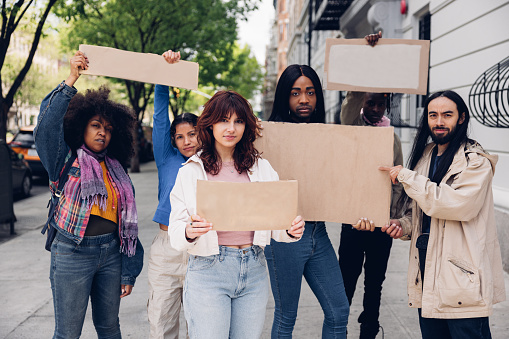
(226, 286)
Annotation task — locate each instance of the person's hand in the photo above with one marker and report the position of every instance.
(78, 62)
(171, 57)
(259, 127)
(393, 172)
(393, 229)
(196, 227)
(364, 225)
(126, 290)
(297, 228)
(372, 39)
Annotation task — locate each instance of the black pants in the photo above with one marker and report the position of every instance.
(372, 249)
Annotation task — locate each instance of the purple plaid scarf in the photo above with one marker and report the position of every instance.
(93, 190)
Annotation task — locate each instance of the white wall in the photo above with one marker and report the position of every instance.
(467, 38)
(462, 48)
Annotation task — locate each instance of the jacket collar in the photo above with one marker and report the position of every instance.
(194, 158)
(459, 161)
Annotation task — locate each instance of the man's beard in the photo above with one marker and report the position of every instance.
(445, 139)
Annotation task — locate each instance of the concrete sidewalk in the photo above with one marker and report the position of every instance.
(26, 309)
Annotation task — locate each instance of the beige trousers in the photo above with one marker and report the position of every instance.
(166, 272)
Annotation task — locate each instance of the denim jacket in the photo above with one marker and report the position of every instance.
(71, 215)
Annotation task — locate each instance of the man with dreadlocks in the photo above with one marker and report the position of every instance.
(455, 271)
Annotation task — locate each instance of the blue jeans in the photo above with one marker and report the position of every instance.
(313, 257)
(92, 270)
(465, 328)
(225, 295)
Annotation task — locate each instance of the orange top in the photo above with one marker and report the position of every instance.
(111, 212)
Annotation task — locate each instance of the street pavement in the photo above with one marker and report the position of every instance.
(26, 307)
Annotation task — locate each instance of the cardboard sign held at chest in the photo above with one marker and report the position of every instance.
(143, 67)
(336, 166)
(233, 206)
(393, 65)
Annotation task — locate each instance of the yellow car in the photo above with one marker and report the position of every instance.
(23, 143)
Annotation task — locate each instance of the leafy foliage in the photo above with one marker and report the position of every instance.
(202, 30)
(13, 12)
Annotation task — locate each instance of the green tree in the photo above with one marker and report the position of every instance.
(244, 75)
(42, 77)
(199, 29)
(12, 13)
(241, 73)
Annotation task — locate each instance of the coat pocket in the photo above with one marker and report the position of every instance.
(459, 285)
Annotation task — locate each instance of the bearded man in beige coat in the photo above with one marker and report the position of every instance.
(455, 272)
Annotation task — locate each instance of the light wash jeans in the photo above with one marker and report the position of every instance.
(92, 270)
(225, 295)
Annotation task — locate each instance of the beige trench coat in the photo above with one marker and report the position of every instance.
(463, 269)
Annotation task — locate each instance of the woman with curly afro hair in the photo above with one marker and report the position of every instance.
(96, 253)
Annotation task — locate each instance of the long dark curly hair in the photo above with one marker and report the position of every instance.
(96, 102)
(224, 104)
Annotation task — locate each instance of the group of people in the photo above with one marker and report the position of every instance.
(442, 202)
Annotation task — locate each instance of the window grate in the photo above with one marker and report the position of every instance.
(394, 112)
(489, 96)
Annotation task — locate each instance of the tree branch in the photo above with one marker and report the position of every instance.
(35, 43)
(22, 14)
(4, 19)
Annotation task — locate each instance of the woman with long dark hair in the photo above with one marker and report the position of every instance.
(299, 99)
(226, 287)
(96, 253)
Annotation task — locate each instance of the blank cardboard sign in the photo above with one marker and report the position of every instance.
(143, 67)
(336, 167)
(250, 206)
(393, 65)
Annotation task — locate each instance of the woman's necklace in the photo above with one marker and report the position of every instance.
(230, 166)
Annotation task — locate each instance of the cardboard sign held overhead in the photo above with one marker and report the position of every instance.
(143, 67)
(393, 65)
(336, 167)
(251, 206)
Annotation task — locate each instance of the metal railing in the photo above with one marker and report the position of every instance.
(489, 96)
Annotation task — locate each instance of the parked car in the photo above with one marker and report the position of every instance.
(21, 174)
(23, 143)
